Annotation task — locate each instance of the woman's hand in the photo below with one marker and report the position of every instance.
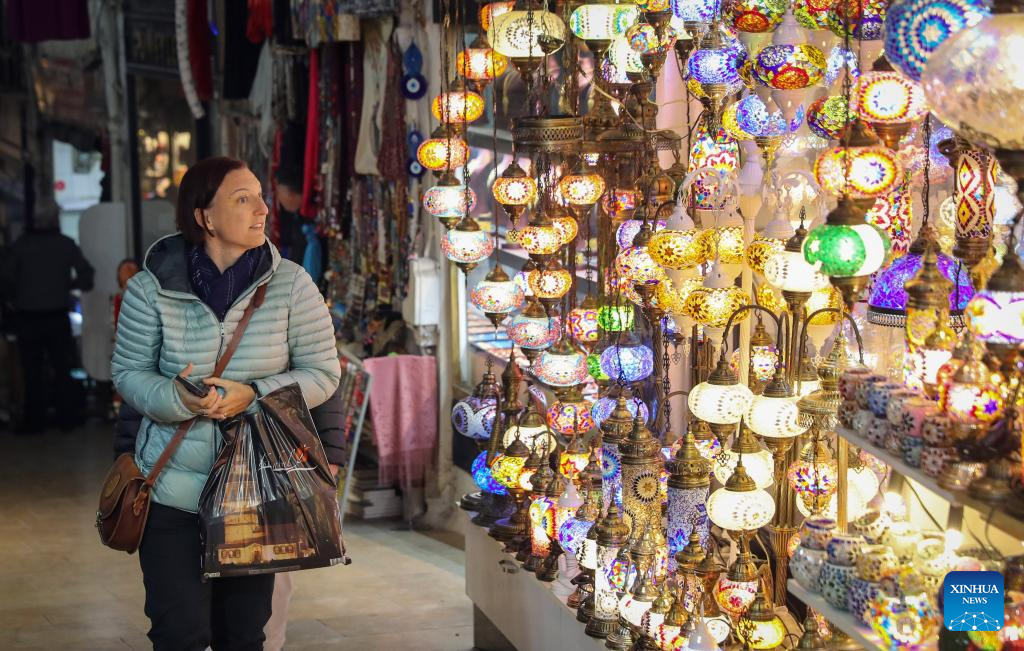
(195, 404)
(237, 397)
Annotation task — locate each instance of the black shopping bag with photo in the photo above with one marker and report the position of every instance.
(270, 504)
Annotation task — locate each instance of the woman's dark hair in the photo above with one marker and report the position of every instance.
(197, 189)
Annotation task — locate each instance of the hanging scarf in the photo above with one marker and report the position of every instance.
(220, 290)
(312, 259)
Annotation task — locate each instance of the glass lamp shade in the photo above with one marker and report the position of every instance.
(581, 189)
(974, 403)
(488, 12)
(727, 241)
(646, 40)
(561, 368)
(615, 318)
(827, 116)
(812, 14)
(437, 154)
(905, 621)
(540, 239)
(789, 67)
(762, 634)
(753, 16)
(473, 417)
(602, 409)
(864, 18)
(973, 82)
(537, 332)
(449, 201)
(654, 5)
(889, 299)
(483, 476)
(467, 246)
(774, 417)
(480, 63)
(582, 324)
(635, 265)
(497, 296)
(457, 106)
(531, 435)
(697, 11)
(760, 466)
(506, 470)
(628, 230)
(571, 464)
(678, 249)
(731, 124)
(716, 66)
(914, 29)
(514, 187)
(550, 282)
(572, 535)
(813, 481)
(514, 34)
(873, 171)
(764, 121)
(720, 152)
(719, 404)
(711, 306)
(622, 61)
(741, 510)
(627, 362)
(602, 22)
(619, 203)
(888, 97)
(762, 362)
(788, 271)
(846, 251)
(997, 317)
(839, 61)
(672, 299)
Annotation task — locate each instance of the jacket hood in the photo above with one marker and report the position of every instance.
(166, 260)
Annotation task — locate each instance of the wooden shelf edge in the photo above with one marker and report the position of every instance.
(841, 619)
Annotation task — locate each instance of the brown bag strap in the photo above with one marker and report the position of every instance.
(222, 363)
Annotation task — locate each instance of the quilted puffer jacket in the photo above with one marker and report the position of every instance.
(164, 326)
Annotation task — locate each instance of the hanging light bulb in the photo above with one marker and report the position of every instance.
(715, 65)
(491, 10)
(862, 18)
(519, 35)
(889, 102)
(531, 430)
(582, 187)
(721, 399)
(914, 29)
(497, 295)
(550, 283)
(540, 238)
(996, 314)
(449, 201)
(740, 505)
(561, 366)
(569, 416)
(601, 21)
(635, 265)
(564, 223)
(574, 458)
(466, 245)
(679, 245)
(789, 66)
(774, 413)
(716, 300)
(603, 408)
(725, 240)
(628, 360)
(457, 106)
(813, 477)
(860, 167)
(753, 16)
(615, 318)
(757, 460)
(583, 324)
(442, 153)
(628, 229)
(927, 323)
(479, 62)
(827, 116)
(846, 249)
(514, 190)
(474, 415)
(532, 329)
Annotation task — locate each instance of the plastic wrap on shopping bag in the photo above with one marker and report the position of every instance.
(270, 504)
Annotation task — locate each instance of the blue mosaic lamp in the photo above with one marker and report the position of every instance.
(915, 28)
(887, 305)
(695, 12)
(628, 360)
(484, 478)
(763, 120)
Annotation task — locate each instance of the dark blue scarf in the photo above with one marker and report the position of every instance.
(220, 290)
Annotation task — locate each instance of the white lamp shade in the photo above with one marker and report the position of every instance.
(515, 33)
(759, 465)
(719, 404)
(774, 417)
(530, 436)
(788, 271)
(741, 510)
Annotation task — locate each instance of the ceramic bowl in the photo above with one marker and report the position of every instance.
(912, 448)
(805, 566)
(935, 460)
(815, 532)
(878, 432)
(834, 584)
(860, 596)
(874, 561)
(872, 525)
(937, 431)
(844, 548)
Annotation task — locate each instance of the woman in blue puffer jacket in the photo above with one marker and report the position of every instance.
(177, 316)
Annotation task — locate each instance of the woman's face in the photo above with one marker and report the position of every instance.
(238, 214)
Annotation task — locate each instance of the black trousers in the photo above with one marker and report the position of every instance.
(45, 347)
(186, 613)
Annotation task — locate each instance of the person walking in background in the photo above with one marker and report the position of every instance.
(176, 315)
(125, 270)
(38, 274)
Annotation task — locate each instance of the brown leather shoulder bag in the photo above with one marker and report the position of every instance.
(125, 496)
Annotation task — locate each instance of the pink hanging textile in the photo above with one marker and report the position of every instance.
(403, 407)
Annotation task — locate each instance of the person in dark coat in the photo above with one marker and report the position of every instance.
(38, 274)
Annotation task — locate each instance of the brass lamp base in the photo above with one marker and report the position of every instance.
(621, 638)
(850, 287)
(586, 611)
(547, 571)
(995, 486)
(506, 530)
(601, 627)
(532, 562)
(472, 501)
(492, 508)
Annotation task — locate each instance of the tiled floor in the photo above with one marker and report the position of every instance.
(61, 589)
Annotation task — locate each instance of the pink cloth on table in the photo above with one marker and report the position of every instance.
(403, 408)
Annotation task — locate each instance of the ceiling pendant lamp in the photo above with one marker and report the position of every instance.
(789, 66)
(497, 295)
(449, 201)
(479, 63)
(467, 245)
